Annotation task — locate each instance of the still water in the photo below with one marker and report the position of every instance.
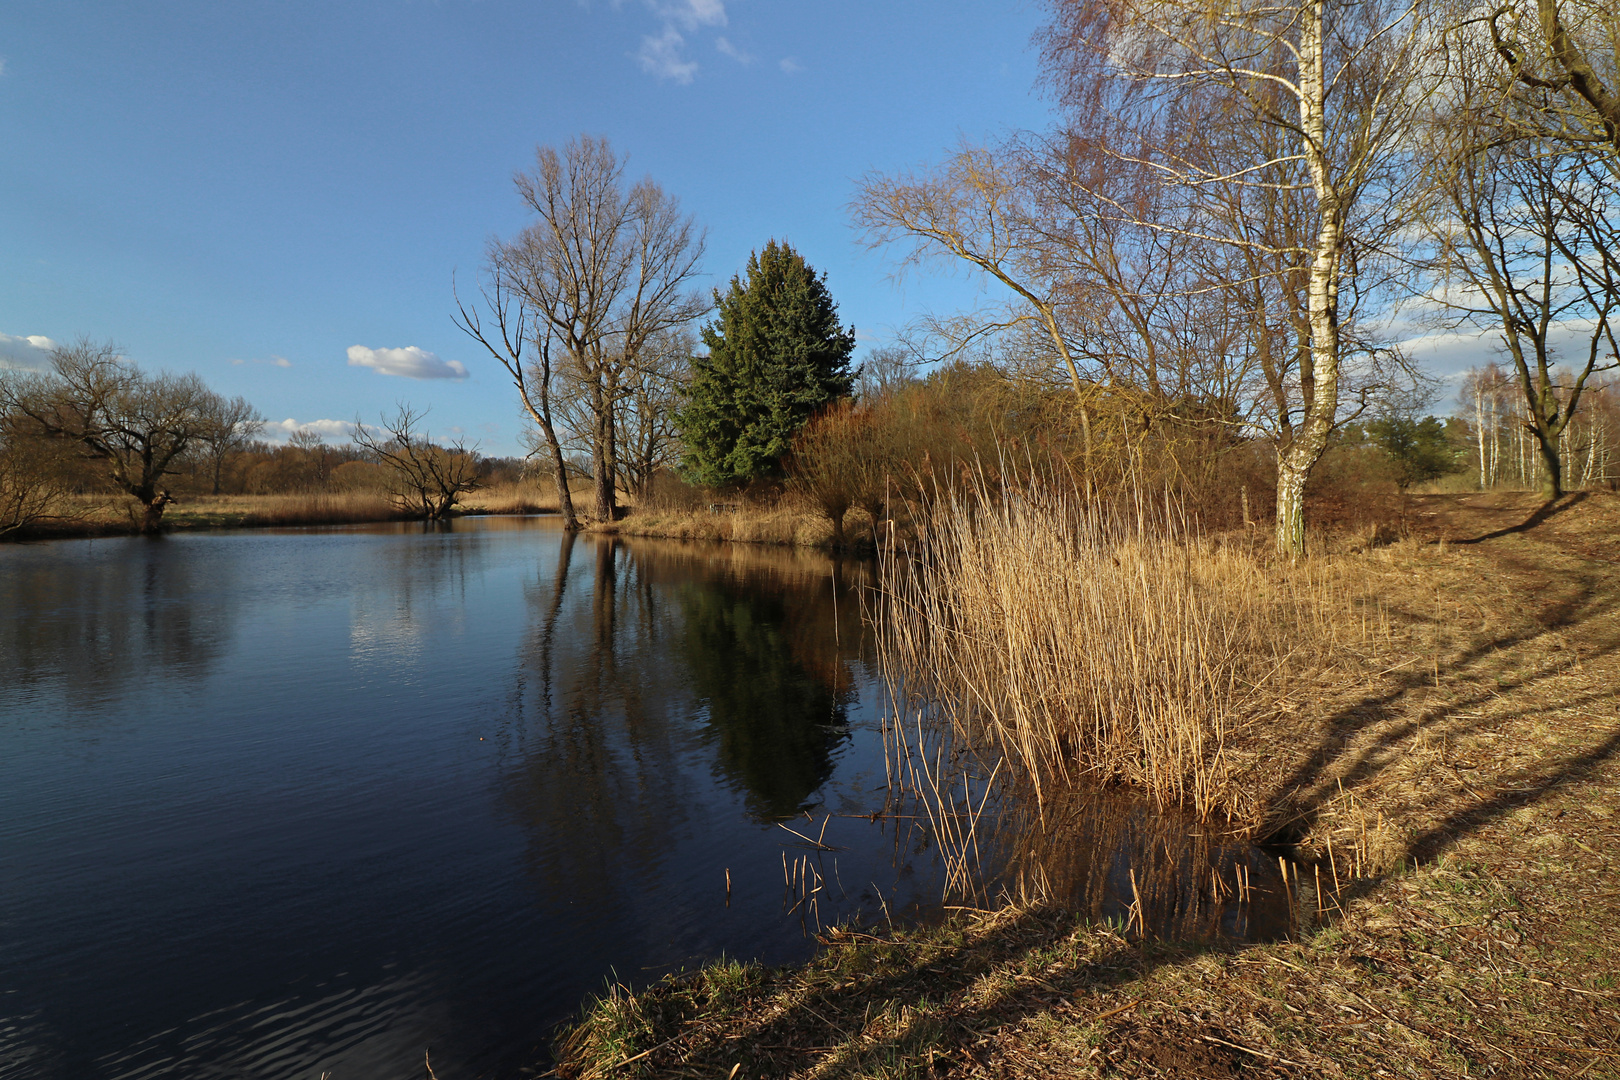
(274, 804)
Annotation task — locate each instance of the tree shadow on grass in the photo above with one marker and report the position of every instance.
(1364, 738)
(916, 1005)
(1551, 508)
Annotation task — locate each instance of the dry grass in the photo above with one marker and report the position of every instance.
(740, 523)
(104, 515)
(523, 497)
(1060, 641)
(309, 508)
(1455, 748)
(100, 515)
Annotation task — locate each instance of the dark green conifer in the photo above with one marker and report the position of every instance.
(776, 355)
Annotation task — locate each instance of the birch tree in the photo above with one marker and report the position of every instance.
(1336, 80)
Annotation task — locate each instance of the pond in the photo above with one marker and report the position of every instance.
(285, 803)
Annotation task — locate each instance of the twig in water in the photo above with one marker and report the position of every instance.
(813, 843)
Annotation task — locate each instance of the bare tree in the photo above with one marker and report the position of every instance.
(885, 371)
(229, 431)
(974, 209)
(1487, 388)
(1566, 54)
(424, 477)
(310, 446)
(1337, 80)
(1527, 234)
(33, 481)
(605, 268)
(138, 426)
(649, 395)
(515, 329)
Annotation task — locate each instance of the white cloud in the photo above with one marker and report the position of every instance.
(789, 65)
(330, 430)
(409, 362)
(691, 14)
(30, 352)
(728, 49)
(661, 56)
(1449, 354)
(273, 361)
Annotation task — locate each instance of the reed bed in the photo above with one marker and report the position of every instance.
(787, 526)
(297, 508)
(528, 496)
(1043, 640)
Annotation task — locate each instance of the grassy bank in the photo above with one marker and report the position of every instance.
(1444, 739)
(740, 523)
(90, 516)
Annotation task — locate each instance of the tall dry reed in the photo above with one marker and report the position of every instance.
(1054, 640)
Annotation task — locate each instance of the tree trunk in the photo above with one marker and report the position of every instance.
(565, 497)
(1552, 466)
(1291, 479)
(601, 478)
(1321, 380)
(152, 513)
(602, 465)
(542, 416)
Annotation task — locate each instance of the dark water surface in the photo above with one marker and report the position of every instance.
(274, 804)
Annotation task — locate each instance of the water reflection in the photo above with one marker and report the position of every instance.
(593, 729)
(774, 719)
(650, 667)
(97, 627)
(331, 796)
(1124, 860)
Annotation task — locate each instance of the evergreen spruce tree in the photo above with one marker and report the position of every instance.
(776, 355)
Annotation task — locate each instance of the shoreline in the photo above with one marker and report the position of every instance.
(1470, 763)
(208, 512)
(783, 528)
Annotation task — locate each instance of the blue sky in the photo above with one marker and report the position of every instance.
(277, 195)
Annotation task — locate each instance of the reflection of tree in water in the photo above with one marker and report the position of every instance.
(774, 719)
(602, 700)
(768, 639)
(597, 785)
(91, 621)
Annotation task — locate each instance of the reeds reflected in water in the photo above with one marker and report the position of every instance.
(1078, 697)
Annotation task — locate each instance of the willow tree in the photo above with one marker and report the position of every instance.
(1337, 81)
(138, 427)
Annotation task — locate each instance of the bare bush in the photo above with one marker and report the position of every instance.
(424, 478)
